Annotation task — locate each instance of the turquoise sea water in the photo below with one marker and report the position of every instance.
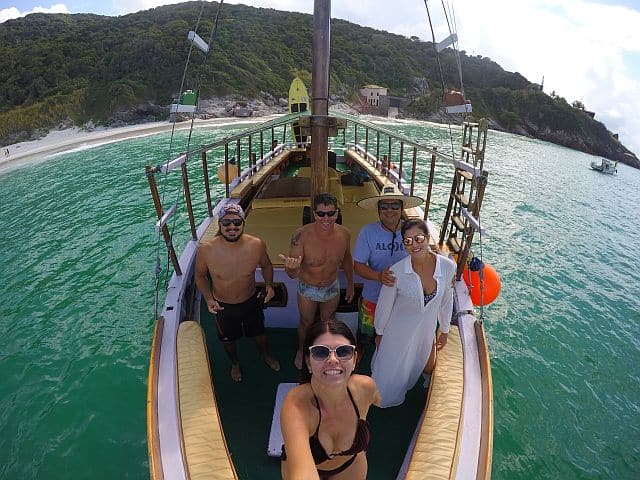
(77, 262)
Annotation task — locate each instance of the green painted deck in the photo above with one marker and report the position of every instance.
(246, 408)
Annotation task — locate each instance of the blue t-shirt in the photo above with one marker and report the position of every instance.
(374, 247)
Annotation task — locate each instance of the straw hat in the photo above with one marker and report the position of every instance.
(389, 193)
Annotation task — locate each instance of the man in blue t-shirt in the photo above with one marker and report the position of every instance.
(378, 246)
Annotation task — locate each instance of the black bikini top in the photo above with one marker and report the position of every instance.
(360, 440)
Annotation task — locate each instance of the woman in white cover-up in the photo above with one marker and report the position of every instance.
(406, 315)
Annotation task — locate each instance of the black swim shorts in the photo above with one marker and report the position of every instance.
(238, 319)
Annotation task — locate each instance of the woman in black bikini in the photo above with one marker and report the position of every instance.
(323, 420)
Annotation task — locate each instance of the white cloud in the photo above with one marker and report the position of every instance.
(122, 7)
(13, 12)
(581, 47)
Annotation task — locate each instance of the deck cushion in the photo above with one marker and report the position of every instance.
(437, 443)
(204, 443)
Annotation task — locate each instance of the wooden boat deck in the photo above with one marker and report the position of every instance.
(274, 215)
(277, 212)
(248, 406)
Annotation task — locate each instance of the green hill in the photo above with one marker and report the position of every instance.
(84, 67)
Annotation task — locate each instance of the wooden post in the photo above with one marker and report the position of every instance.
(413, 166)
(165, 231)
(226, 169)
(400, 164)
(262, 143)
(320, 95)
(366, 140)
(238, 156)
(447, 215)
(187, 197)
(207, 187)
(431, 172)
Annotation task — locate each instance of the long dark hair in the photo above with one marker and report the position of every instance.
(336, 327)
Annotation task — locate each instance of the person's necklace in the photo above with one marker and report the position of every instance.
(394, 232)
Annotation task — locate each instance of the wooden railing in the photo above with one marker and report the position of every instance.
(268, 139)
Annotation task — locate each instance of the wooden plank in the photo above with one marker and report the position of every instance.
(242, 190)
(453, 244)
(153, 436)
(205, 446)
(437, 442)
(462, 199)
(465, 174)
(458, 222)
(486, 437)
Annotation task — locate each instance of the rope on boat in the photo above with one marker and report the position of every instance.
(481, 317)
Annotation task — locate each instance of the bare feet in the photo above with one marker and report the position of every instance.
(298, 360)
(236, 373)
(272, 362)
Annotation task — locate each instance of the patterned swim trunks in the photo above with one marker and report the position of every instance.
(319, 294)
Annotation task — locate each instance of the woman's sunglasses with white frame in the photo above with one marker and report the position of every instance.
(321, 353)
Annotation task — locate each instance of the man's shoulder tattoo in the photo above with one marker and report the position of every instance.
(295, 239)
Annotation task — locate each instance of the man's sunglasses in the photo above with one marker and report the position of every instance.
(390, 205)
(321, 353)
(417, 238)
(330, 213)
(225, 222)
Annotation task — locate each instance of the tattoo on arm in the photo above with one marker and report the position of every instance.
(295, 239)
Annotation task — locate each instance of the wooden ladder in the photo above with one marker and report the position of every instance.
(467, 190)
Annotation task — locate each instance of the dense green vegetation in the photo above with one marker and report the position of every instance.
(88, 67)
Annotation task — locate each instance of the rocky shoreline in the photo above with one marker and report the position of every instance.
(236, 106)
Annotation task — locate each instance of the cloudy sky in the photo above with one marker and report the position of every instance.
(587, 50)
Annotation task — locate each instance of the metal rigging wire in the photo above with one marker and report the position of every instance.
(433, 42)
(179, 193)
(459, 65)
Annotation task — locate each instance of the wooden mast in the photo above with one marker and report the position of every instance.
(320, 95)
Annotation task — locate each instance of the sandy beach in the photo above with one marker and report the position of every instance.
(58, 141)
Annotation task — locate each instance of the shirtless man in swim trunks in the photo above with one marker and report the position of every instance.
(231, 259)
(316, 253)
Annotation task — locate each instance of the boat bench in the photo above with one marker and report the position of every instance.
(436, 442)
(242, 189)
(205, 448)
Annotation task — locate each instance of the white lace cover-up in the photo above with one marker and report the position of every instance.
(408, 327)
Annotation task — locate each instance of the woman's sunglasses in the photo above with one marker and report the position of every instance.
(225, 222)
(321, 353)
(330, 213)
(416, 238)
(390, 205)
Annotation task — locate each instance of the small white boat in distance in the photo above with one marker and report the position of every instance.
(607, 166)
